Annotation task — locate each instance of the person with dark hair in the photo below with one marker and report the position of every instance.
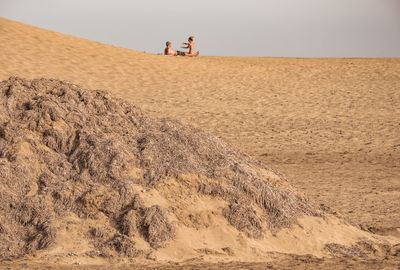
(190, 45)
(168, 49)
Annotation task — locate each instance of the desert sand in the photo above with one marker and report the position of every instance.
(331, 126)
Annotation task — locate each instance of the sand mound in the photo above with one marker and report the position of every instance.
(78, 164)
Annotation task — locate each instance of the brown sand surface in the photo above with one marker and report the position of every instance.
(283, 262)
(331, 125)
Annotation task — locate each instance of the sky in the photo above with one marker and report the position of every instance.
(278, 28)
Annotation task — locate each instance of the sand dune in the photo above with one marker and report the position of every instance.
(88, 174)
(331, 125)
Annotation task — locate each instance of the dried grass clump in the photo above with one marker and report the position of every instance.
(244, 218)
(67, 150)
(2, 229)
(123, 245)
(129, 223)
(339, 250)
(34, 214)
(156, 227)
(363, 249)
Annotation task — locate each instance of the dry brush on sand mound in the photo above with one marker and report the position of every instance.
(65, 151)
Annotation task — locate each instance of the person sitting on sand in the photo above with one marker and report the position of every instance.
(168, 49)
(190, 46)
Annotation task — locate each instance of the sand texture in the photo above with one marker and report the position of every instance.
(328, 127)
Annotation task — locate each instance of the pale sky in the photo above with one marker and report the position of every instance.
(287, 28)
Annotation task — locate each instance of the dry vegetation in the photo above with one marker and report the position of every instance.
(64, 149)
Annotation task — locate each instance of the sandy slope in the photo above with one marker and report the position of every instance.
(332, 125)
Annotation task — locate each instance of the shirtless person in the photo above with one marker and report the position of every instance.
(168, 49)
(190, 46)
